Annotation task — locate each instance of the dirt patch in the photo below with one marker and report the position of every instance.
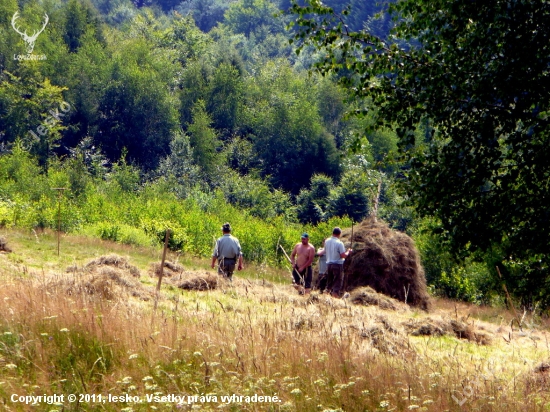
(367, 296)
(387, 261)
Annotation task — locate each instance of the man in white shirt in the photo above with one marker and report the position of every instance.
(336, 254)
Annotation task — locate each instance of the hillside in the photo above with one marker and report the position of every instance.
(75, 327)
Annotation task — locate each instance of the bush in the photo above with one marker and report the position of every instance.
(119, 232)
(6, 214)
(121, 210)
(446, 276)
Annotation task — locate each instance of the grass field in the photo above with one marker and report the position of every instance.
(251, 345)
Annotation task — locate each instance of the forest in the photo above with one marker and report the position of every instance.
(282, 117)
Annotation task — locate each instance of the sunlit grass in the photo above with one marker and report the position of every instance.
(246, 338)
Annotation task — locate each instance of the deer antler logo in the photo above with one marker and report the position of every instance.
(30, 40)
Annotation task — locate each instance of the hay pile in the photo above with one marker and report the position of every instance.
(440, 327)
(170, 269)
(116, 261)
(200, 281)
(387, 261)
(107, 277)
(368, 297)
(538, 380)
(4, 245)
(386, 337)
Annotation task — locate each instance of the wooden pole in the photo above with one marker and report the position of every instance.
(166, 237)
(60, 192)
(345, 276)
(374, 213)
(284, 251)
(289, 261)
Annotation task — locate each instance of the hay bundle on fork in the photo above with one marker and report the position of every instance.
(387, 261)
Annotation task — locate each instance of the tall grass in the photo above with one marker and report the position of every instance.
(315, 355)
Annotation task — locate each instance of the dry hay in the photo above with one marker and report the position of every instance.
(199, 281)
(387, 261)
(107, 277)
(538, 379)
(368, 297)
(386, 337)
(439, 327)
(4, 245)
(170, 269)
(114, 261)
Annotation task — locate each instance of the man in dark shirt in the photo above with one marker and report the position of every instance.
(227, 251)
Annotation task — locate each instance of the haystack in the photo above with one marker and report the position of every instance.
(386, 337)
(387, 261)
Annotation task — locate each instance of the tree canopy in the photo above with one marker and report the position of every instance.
(477, 73)
(207, 101)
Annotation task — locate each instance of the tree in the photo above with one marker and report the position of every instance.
(363, 13)
(206, 13)
(312, 204)
(186, 38)
(194, 87)
(203, 139)
(88, 75)
(247, 16)
(32, 112)
(8, 35)
(477, 72)
(80, 18)
(286, 128)
(137, 111)
(225, 92)
(179, 166)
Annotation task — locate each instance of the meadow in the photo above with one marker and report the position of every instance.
(254, 337)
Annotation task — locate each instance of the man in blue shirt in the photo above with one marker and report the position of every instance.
(336, 254)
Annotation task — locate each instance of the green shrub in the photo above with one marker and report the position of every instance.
(447, 276)
(118, 232)
(6, 214)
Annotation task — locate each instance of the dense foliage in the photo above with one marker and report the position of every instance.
(475, 75)
(134, 98)
(156, 113)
